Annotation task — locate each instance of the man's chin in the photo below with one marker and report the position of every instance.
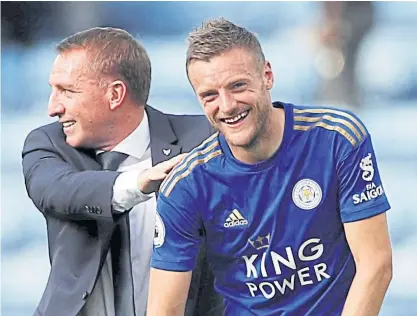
(242, 141)
(73, 142)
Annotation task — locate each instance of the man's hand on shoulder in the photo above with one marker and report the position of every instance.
(150, 179)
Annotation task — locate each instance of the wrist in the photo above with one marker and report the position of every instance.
(142, 182)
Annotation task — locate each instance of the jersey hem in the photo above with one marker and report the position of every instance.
(172, 266)
(366, 213)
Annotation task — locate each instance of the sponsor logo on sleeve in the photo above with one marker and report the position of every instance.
(368, 169)
(372, 190)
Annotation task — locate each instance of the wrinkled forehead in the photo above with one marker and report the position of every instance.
(222, 68)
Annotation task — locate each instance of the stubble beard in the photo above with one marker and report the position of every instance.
(254, 136)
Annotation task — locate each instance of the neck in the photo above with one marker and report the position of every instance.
(125, 124)
(267, 143)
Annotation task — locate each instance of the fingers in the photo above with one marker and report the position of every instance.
(171, 163)
(150, 180)
(157, 175)
(177, 159)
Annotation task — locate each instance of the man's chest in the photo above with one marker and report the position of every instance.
(275, 209)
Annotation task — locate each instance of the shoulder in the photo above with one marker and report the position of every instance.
(345, 125)
(189, 130)
(53, 129)
(179, 121)
(183, 124)
(52, 138)
(200, 157)
(192, 119)
(50, 132)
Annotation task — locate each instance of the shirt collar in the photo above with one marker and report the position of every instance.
(137, 142)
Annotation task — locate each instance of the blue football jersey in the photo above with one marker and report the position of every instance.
(274, 230)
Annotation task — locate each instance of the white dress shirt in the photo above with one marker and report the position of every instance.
(142, 225)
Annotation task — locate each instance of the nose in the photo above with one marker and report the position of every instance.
(227, 103)
(55, 107)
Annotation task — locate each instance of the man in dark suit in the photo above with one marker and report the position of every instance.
(95, 173)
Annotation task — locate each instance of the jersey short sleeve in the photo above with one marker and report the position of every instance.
(361, 194)
(177, 230)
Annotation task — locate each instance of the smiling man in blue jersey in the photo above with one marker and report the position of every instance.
(288, 197)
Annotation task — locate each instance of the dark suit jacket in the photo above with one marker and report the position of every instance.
(74, 196)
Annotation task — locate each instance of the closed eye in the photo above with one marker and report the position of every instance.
(67, 91)
(208, 96)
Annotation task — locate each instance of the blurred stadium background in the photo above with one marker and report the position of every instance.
(357, 55)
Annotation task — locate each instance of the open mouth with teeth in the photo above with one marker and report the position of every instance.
(68, 124)
(236, 119)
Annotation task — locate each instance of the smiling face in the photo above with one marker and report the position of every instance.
(233, 89)
(78, 100)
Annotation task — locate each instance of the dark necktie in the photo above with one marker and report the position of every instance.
(120, 247)
(111, 160)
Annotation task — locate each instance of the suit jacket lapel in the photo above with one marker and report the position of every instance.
(164, 142)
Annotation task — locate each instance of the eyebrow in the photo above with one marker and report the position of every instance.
(228, 84)
(63, 86)
(205, 92)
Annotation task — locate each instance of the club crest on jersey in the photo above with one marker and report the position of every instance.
(306, 194)
(368, 169)
(159, 236)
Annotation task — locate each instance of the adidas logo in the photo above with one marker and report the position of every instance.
(235, 219)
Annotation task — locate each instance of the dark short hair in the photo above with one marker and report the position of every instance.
(114, 52)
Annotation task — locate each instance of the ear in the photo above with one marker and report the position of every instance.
(268, 76)
(117, 93)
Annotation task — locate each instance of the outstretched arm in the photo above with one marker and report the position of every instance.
(57, 188)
